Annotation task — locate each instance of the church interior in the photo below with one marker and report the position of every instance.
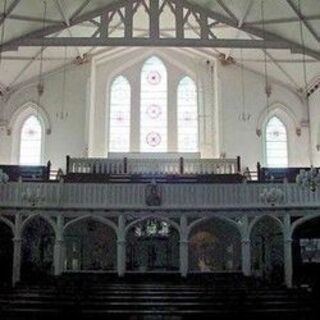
(159, 159)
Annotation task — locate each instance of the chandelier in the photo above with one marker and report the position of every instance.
(4, 178)
(309, 178)
(272, 196)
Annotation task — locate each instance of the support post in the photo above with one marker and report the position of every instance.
(59, 248)
(17, 244)
(245, 247)
(121, 247)
(184, 247)
(288, 269)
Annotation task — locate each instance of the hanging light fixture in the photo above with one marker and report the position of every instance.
(40, 86)
(63, 114)
(307, 178)
(244, 115)
(2, 90)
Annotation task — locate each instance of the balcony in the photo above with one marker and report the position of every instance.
(175, 196)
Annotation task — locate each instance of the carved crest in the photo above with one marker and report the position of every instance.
(153, 194)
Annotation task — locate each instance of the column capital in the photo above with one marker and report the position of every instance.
(121, 242)
(59, 242)
(288, 241)
(17, 240)
(245, 241)
(184, 241)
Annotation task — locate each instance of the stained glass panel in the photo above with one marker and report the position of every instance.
(187, 116)
(153, 112)
(120, 103)
(276, 144)
(30, 142)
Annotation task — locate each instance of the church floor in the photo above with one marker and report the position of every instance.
(223, 296)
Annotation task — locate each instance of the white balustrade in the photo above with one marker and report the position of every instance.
(132, 195)
(152, 166)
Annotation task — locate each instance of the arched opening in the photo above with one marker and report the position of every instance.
(31, 142)
(38, 240)
(152, 245)
(6, 254)
(90, 246)
(214, 246)
(306, 252)
(120, 105)
(153, 106)
(187, 116)
(276, 143)
(267, 250)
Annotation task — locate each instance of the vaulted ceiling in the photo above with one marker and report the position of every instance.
(295, 23)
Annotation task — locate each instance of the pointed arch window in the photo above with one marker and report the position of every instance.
(187, 116)
(120, 102)
(153, 106)
(276, 143)
(31, 142)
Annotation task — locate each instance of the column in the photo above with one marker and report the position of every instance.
(246, 257)
(121, 248)
(184, 247)
(245, 247)
(17, 244)
(16, 270)
(59, 248)
(288, 270)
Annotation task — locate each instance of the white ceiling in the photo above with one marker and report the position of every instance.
(280, 19)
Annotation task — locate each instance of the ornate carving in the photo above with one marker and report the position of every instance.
(258, 132)
(298, 132)
(153, 194)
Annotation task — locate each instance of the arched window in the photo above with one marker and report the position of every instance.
(153, 107)
(30, 142)
(120, 103)
(276, 143)
(187, 116)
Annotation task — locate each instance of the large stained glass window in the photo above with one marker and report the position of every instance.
(30, 142)
(153, 112)
(276, 143)
(120, 103)
(187, 116)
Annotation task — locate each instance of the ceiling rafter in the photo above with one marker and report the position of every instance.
(241, 22)
(9, 10)
(273, 40)
(80, 9)
(227, 10)
(304, 21)
(284, 20)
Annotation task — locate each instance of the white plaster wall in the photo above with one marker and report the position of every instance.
(240, 138)
(67, 136)
(314, 103)
(87, 101)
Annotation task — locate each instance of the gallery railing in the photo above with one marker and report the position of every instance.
(133, 195)
(176, 166)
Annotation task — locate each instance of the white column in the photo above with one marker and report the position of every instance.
(245, 247)
(288, 270)
(121, 248)
(184, 247)
(59, 248)
(16, 270)
(17, 244)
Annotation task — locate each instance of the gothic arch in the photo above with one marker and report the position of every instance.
(299, 222)
(206, 219)
(255, 221)
(8, 223)
(170, 222)
(30, 218)
(102, 220)
(26, 110)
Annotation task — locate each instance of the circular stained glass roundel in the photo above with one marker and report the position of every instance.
(153, 139)
(154, 111)
(154, 78)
